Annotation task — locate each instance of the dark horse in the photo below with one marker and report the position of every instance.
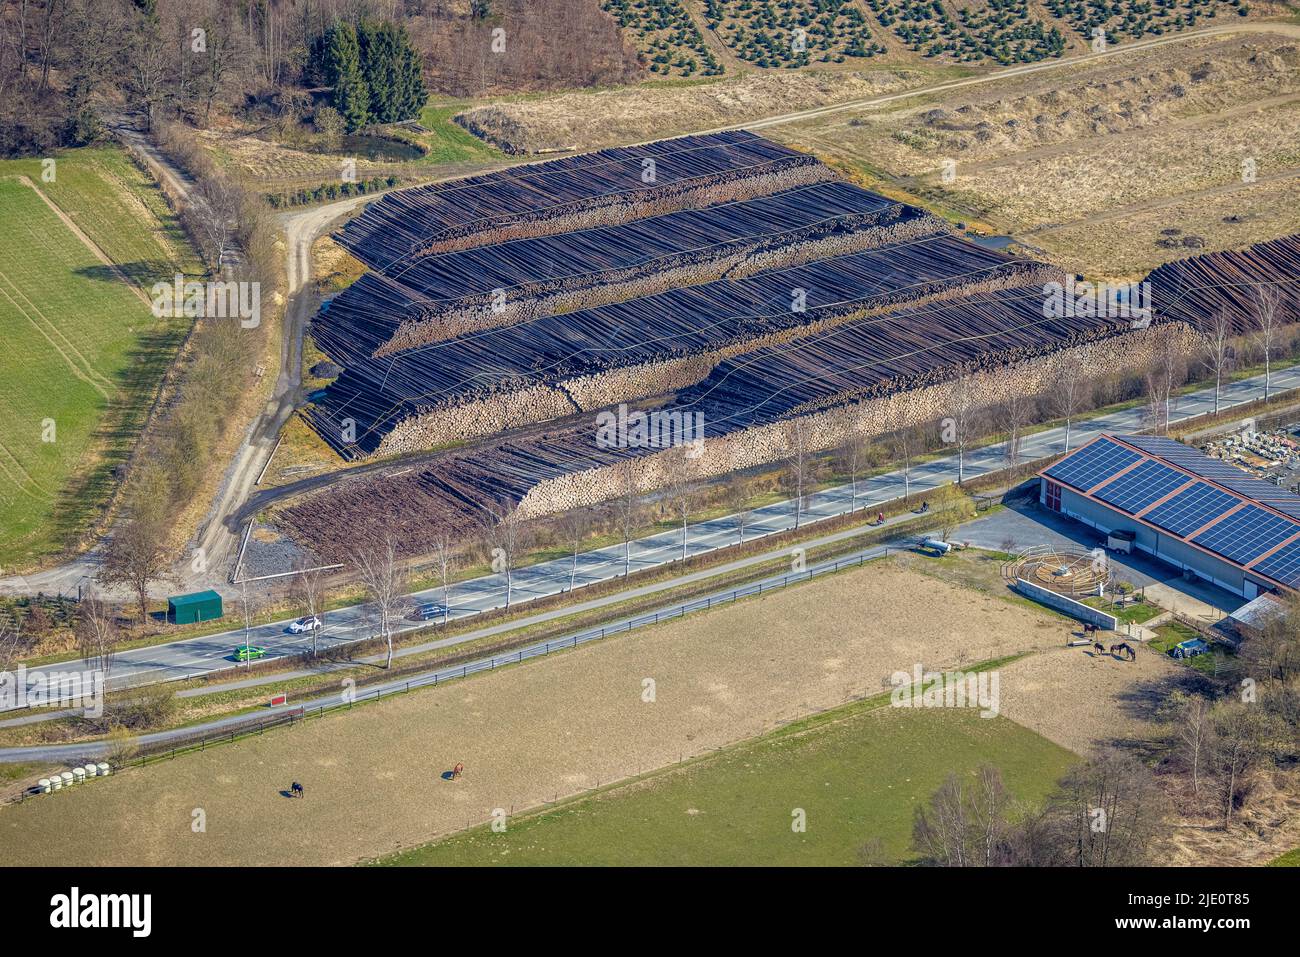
(1098, 647)
(1125, 649)
(296, 790)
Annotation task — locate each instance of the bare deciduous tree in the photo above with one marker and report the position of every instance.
(1216, 352)
(307, 587)
(853, 457)
(1191, 729)
(682, 468)
(1236, 746)
(1267, 306)
(798, 460)
(14, 643)
(215, 213)
(148, 73)
(135, 557)
(575, 526)
(902, 445)
(626, 506)
(506, 537)
(443, 552)
(1068, 393)
(738, 502)
(965, 822)
(384, 578)
(1016, 411)
(1106, 812)
(97, 633)
(1162, 379)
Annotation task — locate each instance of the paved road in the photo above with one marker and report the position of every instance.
(79, 753)
(197, 656)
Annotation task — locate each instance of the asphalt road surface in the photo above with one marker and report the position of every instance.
(191, 657)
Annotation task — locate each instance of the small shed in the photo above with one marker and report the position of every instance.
(1190, 648)
(199, 606)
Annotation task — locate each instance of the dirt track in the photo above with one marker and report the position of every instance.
(526, 734)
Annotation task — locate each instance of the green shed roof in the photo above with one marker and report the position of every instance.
(197, 598)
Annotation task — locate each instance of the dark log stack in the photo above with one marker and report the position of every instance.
(1196, 290)
(601, 188)
(821, 302)
(377, 394)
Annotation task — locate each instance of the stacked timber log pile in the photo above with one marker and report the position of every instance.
(435, 320)
(577, 192)
(444, 426)
(571, 350)
(1127, 353)
(821, 305)
(557, 471)
(1198, 289)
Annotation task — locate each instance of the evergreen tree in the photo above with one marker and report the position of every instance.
(352, 100)
(376, 74)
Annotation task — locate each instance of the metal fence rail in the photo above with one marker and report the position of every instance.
(541, 649)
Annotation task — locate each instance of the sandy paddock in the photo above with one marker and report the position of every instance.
(525, 734)
(1080, 700)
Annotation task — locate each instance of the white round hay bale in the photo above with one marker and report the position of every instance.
(78, 775)
(44, 785)
(92, 770)
(67, 779)
(103, 768)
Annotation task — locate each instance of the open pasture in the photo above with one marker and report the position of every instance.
(551, 728)
(858, 780)
(83, 353)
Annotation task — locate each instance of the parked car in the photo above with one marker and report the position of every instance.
(249, 652)
(310, 623)
(427, 611)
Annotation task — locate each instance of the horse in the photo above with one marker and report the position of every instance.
(297, 790)
(1127, 649)
(1098, 647)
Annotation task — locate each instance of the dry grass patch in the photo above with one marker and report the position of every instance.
(1083, 701)
(527, 734)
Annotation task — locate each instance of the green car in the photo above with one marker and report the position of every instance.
(249, 652)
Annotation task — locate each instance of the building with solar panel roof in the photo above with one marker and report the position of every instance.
(1183, 507)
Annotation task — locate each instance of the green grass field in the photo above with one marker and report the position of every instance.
(448, 142)
(1289, 859)
(857, 773)
(1173, 632)
(83, 352)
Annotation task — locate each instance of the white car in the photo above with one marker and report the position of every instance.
(304, 624)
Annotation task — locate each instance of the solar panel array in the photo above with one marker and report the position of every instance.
(1283, 565)
(1246, 534)
(1143, 486)
(1093, 464)
(1224, 473)
(1190, 509)
(1235, 527)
